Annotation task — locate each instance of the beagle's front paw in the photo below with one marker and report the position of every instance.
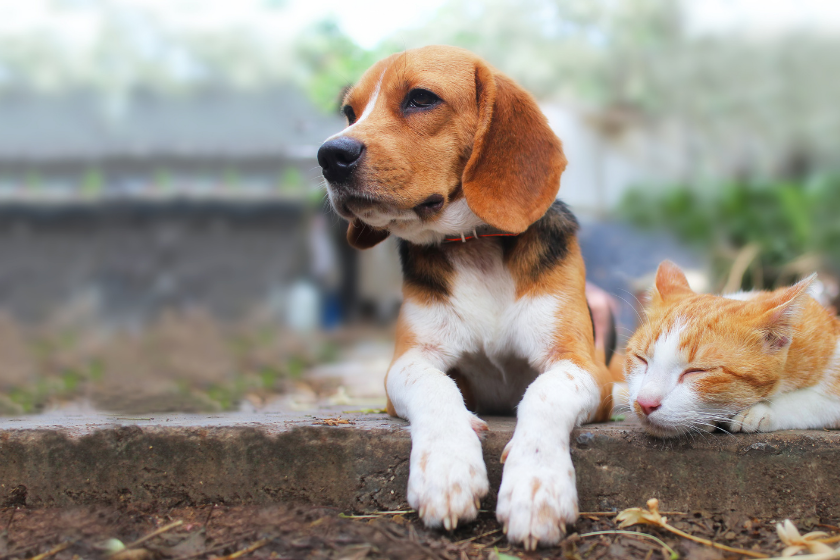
(447, 476)
(538, 495)
(757, 418)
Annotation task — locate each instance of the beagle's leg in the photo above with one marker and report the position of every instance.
(538, 495)
(447, 476)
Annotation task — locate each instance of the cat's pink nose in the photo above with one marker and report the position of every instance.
(648, 405)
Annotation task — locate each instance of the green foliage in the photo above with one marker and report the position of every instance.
(163, 180)
(328, 352)
(186, 364)
(786, 221)
(269, 377)
(331, 62)
(640, 59)
(223, 395)
(230, 178)
(33, 181)
(92, 183)
(295, 367)
(291, 180)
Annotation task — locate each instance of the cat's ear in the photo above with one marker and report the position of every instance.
(780, 313)
(670, 283)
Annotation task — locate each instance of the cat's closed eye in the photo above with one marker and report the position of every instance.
(692, 371)
(641, 365)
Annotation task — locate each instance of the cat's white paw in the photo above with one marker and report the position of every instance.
(757, 418)
(538, 495)
(447, 477)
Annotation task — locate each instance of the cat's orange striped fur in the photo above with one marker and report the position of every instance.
(750, 362)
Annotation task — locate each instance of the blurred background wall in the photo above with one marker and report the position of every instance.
(158, 173)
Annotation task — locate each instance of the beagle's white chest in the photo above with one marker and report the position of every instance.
(491, 337)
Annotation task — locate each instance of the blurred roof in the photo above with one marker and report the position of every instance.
(226, 123)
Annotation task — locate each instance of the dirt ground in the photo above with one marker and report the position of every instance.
(293, 532)
(186, 361)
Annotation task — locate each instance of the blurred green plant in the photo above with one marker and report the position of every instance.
(331, 62)
(291, 180)
(792, 225)
(295, 366)
(231, 179)
(93, 182)
(187, 363)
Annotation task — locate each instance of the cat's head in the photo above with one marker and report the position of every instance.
(699, 359)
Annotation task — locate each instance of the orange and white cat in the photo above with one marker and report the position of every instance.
(746, 362)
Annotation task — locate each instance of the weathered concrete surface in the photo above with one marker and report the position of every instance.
(258, 459)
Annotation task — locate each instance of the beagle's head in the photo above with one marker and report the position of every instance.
(439, 143)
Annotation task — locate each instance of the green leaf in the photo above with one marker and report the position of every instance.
(503, 556)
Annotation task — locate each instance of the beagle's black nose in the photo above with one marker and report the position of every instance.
(339, 157)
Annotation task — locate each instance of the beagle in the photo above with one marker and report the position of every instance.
(457, 161)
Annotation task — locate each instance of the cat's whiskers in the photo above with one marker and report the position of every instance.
(718, 417)
(703, 433)
(713, 426)
(643, 318)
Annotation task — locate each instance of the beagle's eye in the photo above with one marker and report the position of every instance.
(349, 113)
(421, 99)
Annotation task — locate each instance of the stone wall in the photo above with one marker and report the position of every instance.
(122, 262)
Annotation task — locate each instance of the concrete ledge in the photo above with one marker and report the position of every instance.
(168, 461)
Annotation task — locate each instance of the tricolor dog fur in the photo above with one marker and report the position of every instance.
(457, 161)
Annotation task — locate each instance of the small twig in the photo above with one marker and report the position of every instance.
(614, 513)
(707, 542)
(652, 516)
(15, 552)
(477, 537)
(491, 543)
(152, 535)
(209, 515)
(635, 534)
(52, 552)
(20, 549)
(11, 518)
(375, 514)
(244, 551)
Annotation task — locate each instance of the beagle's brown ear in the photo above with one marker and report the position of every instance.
(362, 236)
(513, 173)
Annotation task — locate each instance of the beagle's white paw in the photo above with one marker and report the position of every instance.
(447, 477)
(538, 495)
(757, 418)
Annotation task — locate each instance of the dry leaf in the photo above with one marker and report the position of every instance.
(640, 516)
(795, 542)
(333, 422)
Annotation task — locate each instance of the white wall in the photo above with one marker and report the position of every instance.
(601, 169)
